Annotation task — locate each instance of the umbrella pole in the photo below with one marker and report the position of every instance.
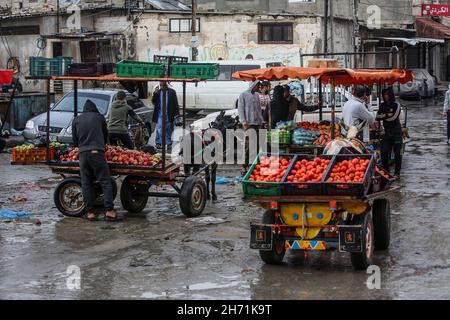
(333, 110)
(320, 101)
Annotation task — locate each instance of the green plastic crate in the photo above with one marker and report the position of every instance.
(278, 136)
(269, 189)
(137, 69)
(47, 67)
(202, 71)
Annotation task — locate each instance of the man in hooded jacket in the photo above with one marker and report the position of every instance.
(90, 134)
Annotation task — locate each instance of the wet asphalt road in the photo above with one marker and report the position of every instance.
(163, 255)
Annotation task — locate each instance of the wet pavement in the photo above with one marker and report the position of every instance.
(162, 255)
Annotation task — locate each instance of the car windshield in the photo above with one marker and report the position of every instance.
(100, 100)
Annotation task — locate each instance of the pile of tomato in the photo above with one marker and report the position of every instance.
(351, 171)
(270, 169)
(308, 171)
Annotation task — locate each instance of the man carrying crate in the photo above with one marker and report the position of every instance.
(90, 134)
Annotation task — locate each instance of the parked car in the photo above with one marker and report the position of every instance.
(61, 115)
(423, 85)
(222, 92)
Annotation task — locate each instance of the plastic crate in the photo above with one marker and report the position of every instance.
(202, 71)
(379, 182)
(168, 61)
(136, 69)
(91, 69)
(346, 188)
(47, 67)
(305, 188)
(275, 136)
(32, 155)
(254, 188)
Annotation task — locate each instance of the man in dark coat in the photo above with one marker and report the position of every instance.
(90, 133)
(172, 110)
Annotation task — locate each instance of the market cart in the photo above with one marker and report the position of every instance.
(134, 192)
(321, 202)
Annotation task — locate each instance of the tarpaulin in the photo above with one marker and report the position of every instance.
(341, 76)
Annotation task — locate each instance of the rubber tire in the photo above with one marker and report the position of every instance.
(360, 261)
(187, 189)
(59, 188)
(132, 202)
(272, 257)
(381, 213)
(77, 180)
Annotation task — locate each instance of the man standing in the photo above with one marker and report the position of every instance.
(172, 110)
(118, 121)
(251, 117)
(90, 133)
(447, 112)
(355, 111)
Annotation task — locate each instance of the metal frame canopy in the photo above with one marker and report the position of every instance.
(333, 76)
(114, 78)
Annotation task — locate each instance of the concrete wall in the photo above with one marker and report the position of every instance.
(229, 37)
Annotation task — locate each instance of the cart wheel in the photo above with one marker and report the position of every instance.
(132, 194)
(193, 197)
(69, 200)
(68, 197)
(275, 256)
(381, 213)
(362, 260)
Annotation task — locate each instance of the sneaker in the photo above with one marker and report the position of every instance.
(158, 146)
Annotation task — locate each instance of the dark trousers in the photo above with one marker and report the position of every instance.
(392, 142)
(124, 138)
(2, 144)
(93, 167)
(247, 144)
(448, 125)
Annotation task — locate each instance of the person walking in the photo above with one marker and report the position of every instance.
(355, 111)
(118, 121)
(447, 113)
(172, 110)
(264, 96)
(278, 109)
(251, 117)
(389, 113)
(90, 133)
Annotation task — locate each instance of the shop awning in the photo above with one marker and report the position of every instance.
(341, 76)
(431, 29)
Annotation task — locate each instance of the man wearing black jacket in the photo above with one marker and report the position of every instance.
(90, 133)
(172, 110)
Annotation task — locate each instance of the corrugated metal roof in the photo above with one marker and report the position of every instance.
(431, 29)
(413, 41)
(168, 5)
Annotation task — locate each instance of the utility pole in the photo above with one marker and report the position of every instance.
(356, 39)
(331, 26)
(194, 40)
(325, 27)
(57, 17)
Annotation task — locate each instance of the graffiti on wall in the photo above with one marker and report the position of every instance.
(289, 55)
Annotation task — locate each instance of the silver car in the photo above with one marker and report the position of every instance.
(61, 115)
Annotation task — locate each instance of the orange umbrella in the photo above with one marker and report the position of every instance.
(341, 76)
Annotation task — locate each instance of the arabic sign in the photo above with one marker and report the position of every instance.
(436, 10)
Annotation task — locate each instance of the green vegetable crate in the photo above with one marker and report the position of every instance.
(202, 71)
(279, 136)
(137, 69)
(269, 189)
(48, 67)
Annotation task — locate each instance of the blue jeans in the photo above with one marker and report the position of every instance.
(169, 131)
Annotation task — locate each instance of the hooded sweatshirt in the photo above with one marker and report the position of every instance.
(249, 107)
(89, 131)
(118, 117)
(447, 101)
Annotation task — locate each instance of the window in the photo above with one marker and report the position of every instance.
(275, 33)
(183, 25)
(226, 71)
(66, 104)
(134, 102)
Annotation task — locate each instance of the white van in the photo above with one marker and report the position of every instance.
(222, 92)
